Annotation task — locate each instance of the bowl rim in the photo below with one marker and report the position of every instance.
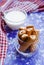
(14, 10)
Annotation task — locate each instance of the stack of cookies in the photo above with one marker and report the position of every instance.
(27, 38)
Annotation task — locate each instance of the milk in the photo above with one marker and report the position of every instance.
(15, 16)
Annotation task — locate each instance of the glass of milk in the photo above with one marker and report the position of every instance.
(15, 18)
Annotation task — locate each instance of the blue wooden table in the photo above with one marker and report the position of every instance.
(14, 58)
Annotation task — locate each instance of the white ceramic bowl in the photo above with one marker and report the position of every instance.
(15, 24)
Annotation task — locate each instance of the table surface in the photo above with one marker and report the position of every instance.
(36, 19)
